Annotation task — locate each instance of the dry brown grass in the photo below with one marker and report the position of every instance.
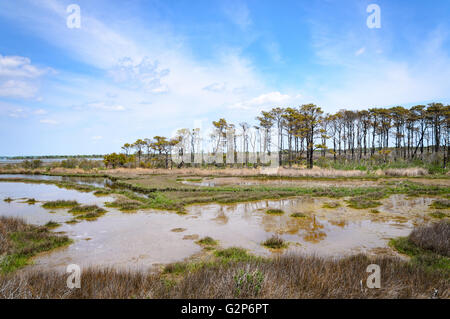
(238, 172)
(284, 277)
(409, 172)
(434, 237)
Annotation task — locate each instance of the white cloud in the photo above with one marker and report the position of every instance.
(97, 137)
(143, 74)
(49, 121)
(40, 112)
(238, 13)
(215, 87)
(271, 99)
(17, 89)
(106, 107)
(17, 66)
(18, 77)
(360, 51)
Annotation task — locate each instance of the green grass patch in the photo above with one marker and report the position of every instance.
(362, 203)
(438, 215)
(51, 224)
(441, 204)
(86, 209)
(60, 204)
(91, 216)
(419, 256)
(235, 254)
(103, 192)
(331, 205)
(274, 211)
(72, 221)
(125, 204)
(24, 241)
(275, 242)
(207, 241)
(298, 215)
(30, 201)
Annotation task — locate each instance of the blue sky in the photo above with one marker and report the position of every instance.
(137, 69)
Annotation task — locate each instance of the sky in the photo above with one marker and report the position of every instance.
(136, 69)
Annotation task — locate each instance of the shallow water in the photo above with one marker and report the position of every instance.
(148, 238)
(85, 180)
(248, 181)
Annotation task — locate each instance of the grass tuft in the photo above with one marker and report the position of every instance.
(207, 241)
(60, 204)
(438, 215)
(275, 211)
(298, 215)
(331, 205)
(441, 204)
(51, 224)
(275, 242)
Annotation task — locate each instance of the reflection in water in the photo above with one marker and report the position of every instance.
(244, 181)
(147, 238)
(314, 232)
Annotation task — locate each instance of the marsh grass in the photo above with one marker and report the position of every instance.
(86, 209)
(298, 215)
(31, 201)
(428, 246)
(441, 204)
(103, 192)
(165, 193)
(60, 204)
(434, 237)
(283, 277)
(275, 211)
(235, 254)
(87, 212)
(72, 221)
(438, 215)
(275, 242)
(207, 241)
(362, 202)
(8, 200)
(21, 241)
(125, 204)
(331, 205)
(91, 216)
(374, 211)
(51, 224)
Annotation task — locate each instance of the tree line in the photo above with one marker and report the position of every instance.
(305, 133)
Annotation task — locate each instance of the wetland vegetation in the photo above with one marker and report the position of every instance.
(130, 191)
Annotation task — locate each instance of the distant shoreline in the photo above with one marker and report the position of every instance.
(49, 157)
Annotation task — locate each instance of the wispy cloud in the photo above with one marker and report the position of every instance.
(360, 51)
(238, 12)
(271, 99)
(49, 121)
(18, 77)
(105, 106)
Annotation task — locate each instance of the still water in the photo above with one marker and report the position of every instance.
(148, 238)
